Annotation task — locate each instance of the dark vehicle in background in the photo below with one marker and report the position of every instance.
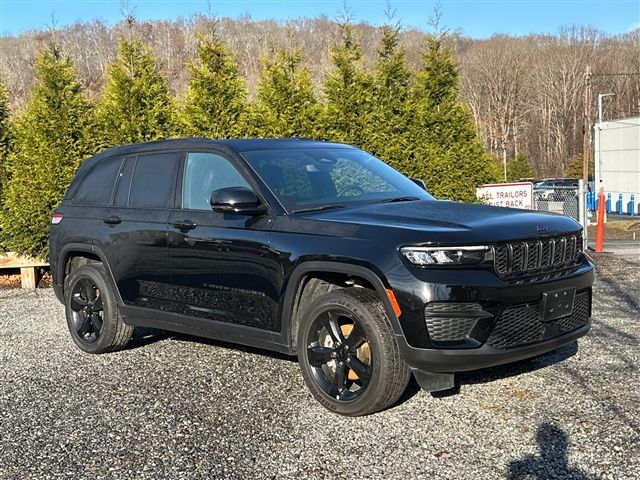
(555, 189)
(313, 249)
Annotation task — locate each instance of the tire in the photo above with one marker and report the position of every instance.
(93, 317)
(350, 377)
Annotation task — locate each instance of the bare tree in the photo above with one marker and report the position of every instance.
(525, 93)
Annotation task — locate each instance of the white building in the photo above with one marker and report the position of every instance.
(617, 160)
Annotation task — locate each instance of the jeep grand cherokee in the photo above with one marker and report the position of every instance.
(313, 249)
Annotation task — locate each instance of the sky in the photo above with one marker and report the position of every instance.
(475, 18)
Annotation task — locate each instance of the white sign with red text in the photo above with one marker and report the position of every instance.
(513, 195)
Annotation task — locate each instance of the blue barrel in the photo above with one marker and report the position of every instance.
(608, 204)
(632, 205)
(619, 204)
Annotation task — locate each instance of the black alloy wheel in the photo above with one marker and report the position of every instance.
(93, 315)
(348, 354)
(339, 355)
(86, 310)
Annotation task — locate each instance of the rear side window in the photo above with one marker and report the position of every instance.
(97, 186)
(204, 173)
(153, 181)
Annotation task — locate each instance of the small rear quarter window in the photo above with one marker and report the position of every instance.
(97, 186)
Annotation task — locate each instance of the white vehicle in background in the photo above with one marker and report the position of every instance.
(555, 189)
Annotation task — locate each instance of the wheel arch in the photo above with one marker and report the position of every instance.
(303, 273)
(92, 253)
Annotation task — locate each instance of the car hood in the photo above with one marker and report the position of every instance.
(446, 221)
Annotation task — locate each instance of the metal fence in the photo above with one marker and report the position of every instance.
(563, 200)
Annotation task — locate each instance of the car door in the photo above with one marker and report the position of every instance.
(223, 269)
(136, 229)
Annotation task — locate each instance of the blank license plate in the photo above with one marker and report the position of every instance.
(557, 304)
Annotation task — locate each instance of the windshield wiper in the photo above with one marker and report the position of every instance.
(315, 209)
(398, 199)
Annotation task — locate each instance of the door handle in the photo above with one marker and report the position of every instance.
(112, 220)
(185, 225)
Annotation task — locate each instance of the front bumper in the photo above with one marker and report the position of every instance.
(452, 360)
(502, 319)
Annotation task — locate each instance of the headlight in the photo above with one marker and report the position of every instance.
(424, 256)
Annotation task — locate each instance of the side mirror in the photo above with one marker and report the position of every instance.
(239, 200)
(419, 182)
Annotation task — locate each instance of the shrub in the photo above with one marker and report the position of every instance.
(519, 168)
(49, 146)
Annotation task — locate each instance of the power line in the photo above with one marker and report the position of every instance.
(613, 74)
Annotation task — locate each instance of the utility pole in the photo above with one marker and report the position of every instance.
(586, 129)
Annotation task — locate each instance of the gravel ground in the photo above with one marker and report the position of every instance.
(174, 406)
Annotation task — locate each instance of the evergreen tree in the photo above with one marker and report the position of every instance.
(5, 143)
(286, 105)
(216, 97)
(447, 152)
(574, 169)
(387, 131)
(49, 146)
(136, 103)
(349, 93)
(519, 168)
(5, 134)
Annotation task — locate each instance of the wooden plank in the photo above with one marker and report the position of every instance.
(28, 277)
(12, 260)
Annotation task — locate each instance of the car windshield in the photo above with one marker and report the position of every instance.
(308, 179)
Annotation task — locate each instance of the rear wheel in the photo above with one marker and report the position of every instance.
(348, 354)
(93, 318)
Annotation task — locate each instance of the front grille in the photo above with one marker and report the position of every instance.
(520, 324)
(529, 257)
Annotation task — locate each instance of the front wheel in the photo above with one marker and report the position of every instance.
(348, 354)
(93, 317)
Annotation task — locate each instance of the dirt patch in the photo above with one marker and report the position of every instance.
(10, 278)
(622, 230)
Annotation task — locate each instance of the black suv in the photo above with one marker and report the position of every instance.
(313, 249)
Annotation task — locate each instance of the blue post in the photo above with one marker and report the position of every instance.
(619, 204)
(632, 205)
(608, 204)
(589, 201)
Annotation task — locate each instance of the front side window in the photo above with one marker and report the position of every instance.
(205, 172)
(308, 178)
